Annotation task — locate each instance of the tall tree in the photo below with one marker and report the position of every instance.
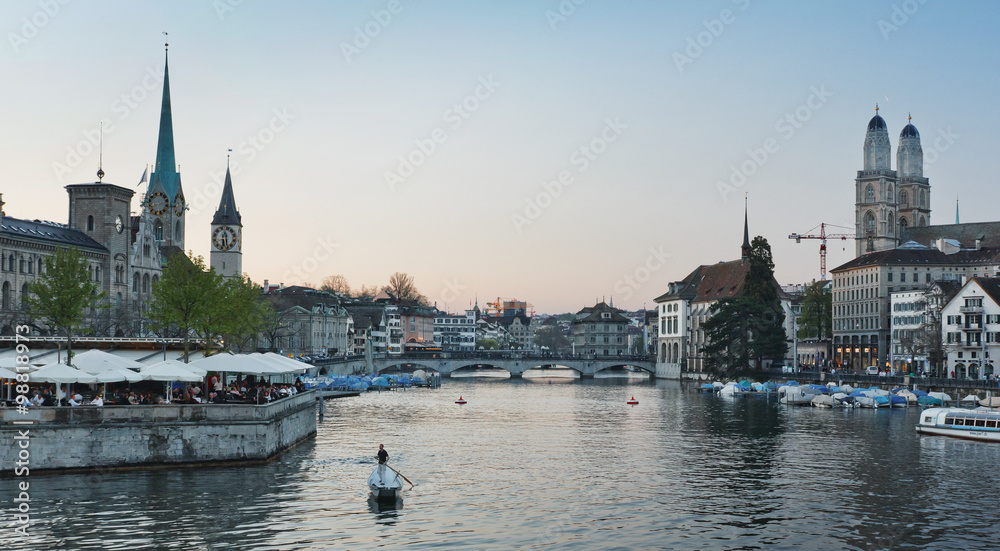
(183, 298)
(745, 331)
(63, 296)
(246, 312)
(552, 338)
(816, 321)
(401, 286)
(336, 284)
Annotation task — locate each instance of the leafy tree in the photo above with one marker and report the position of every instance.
(744, 331)
(183, 298)
(816, 321)
(62, 297)
(245, 313)
(488, 344)
(551, 337)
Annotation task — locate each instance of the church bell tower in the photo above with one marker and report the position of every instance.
(226, 255)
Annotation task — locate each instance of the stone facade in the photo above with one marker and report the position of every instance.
(169, 434)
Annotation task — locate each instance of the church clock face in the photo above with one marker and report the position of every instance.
(178, 205)
(224, 238)
(119, 224)
(158, 203)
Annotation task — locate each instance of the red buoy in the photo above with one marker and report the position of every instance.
(633, 402)
(460, 400)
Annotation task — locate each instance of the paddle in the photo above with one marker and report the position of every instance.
(400, 474)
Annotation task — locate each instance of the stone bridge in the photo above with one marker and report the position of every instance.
(515, 363)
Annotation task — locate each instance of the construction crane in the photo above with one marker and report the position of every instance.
(823, 236)
(502, 305)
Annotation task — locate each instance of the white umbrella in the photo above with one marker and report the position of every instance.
(169, 371)
(287, 364)
(96, 361)
(61, 373)
(242, 363)
(118, 375)
(7, 374)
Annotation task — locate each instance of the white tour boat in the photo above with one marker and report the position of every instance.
(385, 483)
(970, 424)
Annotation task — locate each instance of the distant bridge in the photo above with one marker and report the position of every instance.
(516, 363)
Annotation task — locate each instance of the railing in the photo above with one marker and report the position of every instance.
(972, 327)
(971, 309)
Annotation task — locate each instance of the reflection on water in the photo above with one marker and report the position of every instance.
(554, 464)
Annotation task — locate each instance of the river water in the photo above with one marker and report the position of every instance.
(553, 464)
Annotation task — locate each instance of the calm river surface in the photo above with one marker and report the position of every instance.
(554, 465)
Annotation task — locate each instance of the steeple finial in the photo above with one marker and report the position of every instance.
(956, 210)
(876, 108)
(165, 44)
(100, 158)
(746, 227)
(908, 118)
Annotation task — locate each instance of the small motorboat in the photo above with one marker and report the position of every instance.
(385, 483)
(460, 400)
(632, 401)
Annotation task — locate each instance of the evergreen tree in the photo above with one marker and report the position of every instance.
(746, 330)
(816, 321)
(63, 295)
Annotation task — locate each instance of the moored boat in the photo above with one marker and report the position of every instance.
(961, 423)
(385, 483)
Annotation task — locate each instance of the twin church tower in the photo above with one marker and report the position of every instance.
(165, 209)
(888, 201)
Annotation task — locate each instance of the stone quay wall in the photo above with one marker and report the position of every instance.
(117, 437)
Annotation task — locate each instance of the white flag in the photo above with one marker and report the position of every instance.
(145, 176)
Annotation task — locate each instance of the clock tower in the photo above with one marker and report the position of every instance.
(226, 255)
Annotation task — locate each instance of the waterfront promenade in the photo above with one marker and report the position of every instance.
(121, 437)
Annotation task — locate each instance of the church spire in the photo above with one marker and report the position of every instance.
(227, 215)
(166, 164)
(746, 230)
(956, 211)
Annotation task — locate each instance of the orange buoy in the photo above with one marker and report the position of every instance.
(460, 400)
(633, 401)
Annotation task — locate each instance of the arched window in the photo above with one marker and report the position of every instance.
(663, 352)
(903, 224)
(155, 279)
(20, 264)
(177, 230)
(5, 300)
(923, 199)
(870, 194)
(118, 301)
(891, 226)
(158, 230)
(869, 223)
(135, 282)
(97, 273)
(677, 356)
(90, 223)
(24, 293)
(903, 198)
(31, 265)
(39, 266)
(890, 195)
(923, 221)
(145, 283)
(10, 263)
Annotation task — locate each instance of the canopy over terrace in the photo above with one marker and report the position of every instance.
(98, 361)
(243, 363)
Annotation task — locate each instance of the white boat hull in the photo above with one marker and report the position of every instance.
(385, 483)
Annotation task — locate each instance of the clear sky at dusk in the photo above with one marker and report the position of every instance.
(551, 151)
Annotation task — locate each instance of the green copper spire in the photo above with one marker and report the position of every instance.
(166, 164)
(956, 211)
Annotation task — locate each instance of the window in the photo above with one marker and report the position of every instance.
(20, 264)
(5, 300)
(10, 263)
(870, 194)
(135, 282)
(90, 223)
(39, 266)
(145, 283)
(869, 223)
(889, 275)
(31, 266)
(158, 230)
(903, 197)
(902, 277)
